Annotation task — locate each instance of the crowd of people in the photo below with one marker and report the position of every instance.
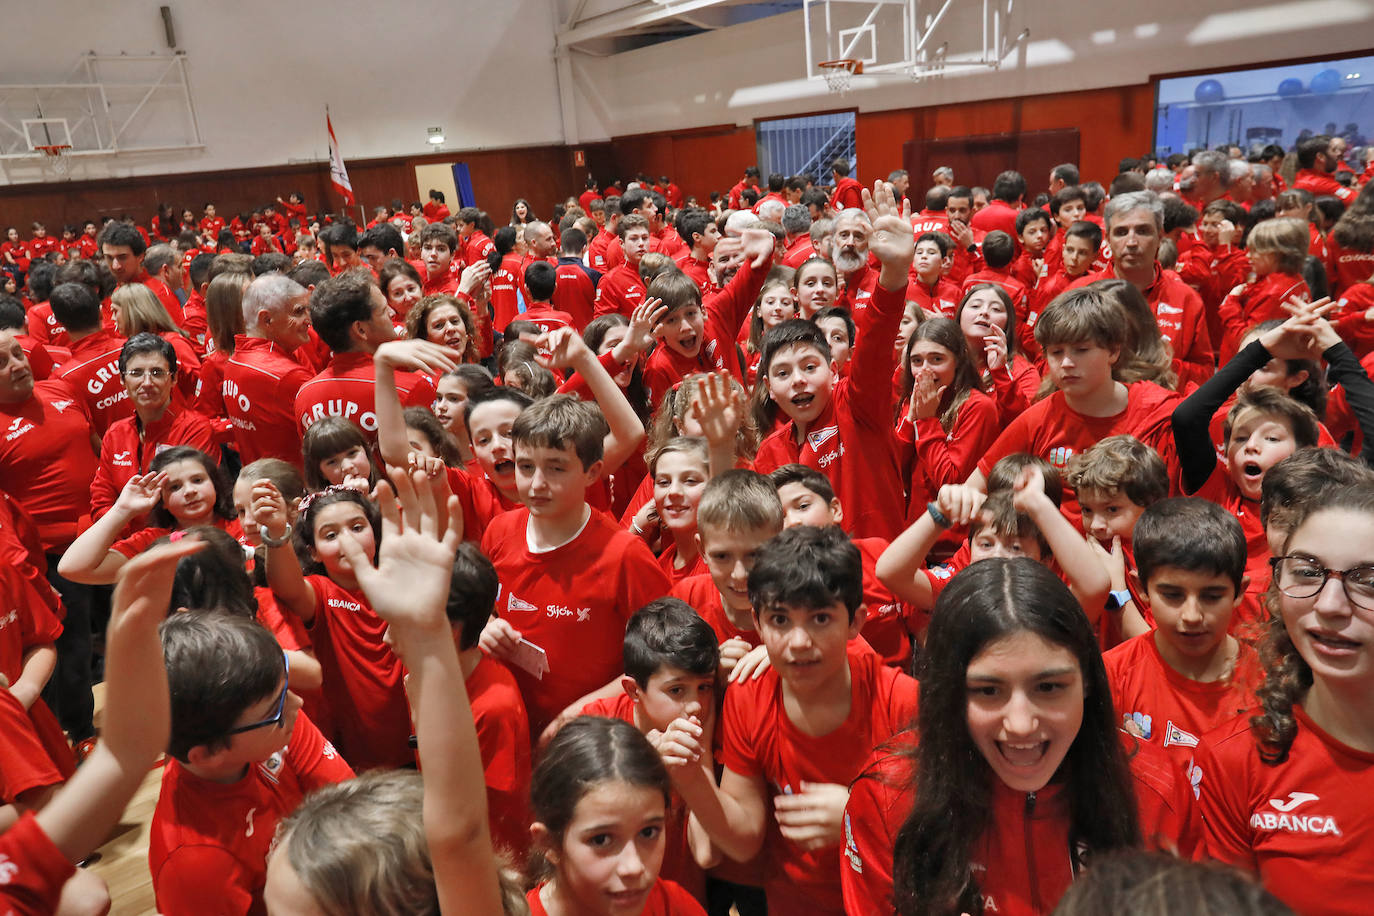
(828, 548)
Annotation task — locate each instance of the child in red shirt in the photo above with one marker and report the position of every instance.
(1277, 250)
(680, 469)
(498, 713)
(1084, 336)
(1188, 675)
(1019, 771)
(1284, 792)
(999, 249)
(1034, 231)
(669, 684)
(739, 511)
(799, 733)
(362, 676)
(935, 293)
(240, 758)
(843, 426)
(39, 851)
(1115, 481)
(570, 576)
(621, 289)
(1081, 242)
(541, 279)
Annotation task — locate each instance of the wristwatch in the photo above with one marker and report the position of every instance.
(1118, 599)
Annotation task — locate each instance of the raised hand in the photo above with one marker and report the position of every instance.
(892, 240)
(718, 407)
(995, 349)
(959, 503)
(417, 356)
(1028, 489)
(925, 396)
(476, 280)
(269, 508)
(644, 320)
(408, 586)
(759, 245)
(141, 493)
(564, 346)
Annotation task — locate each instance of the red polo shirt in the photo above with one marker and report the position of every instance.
(47, 461)
(259, 391)
(347, 388)
(93, 371)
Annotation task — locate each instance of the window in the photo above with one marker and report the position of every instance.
(805, 146)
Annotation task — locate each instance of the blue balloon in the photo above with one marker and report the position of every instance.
(1209, 92)
(1291, 86)
(1326, 82)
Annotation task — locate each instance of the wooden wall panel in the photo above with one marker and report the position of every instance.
(1114, 123)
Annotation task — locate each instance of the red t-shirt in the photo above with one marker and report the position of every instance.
(93, 371)
(931, 457)
(260, 384)
(208, 838)
(1025, 861)
(848, 193)
(851, 440)
(197, 321)
(34, 752)
(761, 742)
(574, 290)
(1250, 619)
(585, 200)
(362, 678)
(35, 870)
(1348, 266)
(1301, 825)
(507, 286)
(548, 318)
(1054, 431)
(44, 327)
(347, 388)
(1256, 302)
(619, 291)
(942, 296)
(573, 602)
(476, 248)
(665, 899)
(503, 737)
(799, 252)
(701, 593)
(998, 215)
(597, 250)
(46, 461)
(1161, 706)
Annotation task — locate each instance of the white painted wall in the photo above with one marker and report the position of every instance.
(262, 72)
(757, 69)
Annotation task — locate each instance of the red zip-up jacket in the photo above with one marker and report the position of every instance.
(851, 441)
(1026, 860)
(93, 371)
(1258, 301)
(259, 391)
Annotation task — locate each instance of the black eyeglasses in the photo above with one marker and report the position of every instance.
(1304, 577)
(281, 701)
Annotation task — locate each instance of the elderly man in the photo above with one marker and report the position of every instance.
(262, 378)
(849, 252)
(1135, 225)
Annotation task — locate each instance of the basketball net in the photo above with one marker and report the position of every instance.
(839, 73)
(55, 158)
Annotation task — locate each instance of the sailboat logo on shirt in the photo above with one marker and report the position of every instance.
(820, 437)
(1175, 735)
(516, 604)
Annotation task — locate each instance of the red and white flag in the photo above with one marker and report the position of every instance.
(338, 175)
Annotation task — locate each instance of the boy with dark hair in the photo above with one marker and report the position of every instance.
(1034, 231)
(197, 321)
(570, 576)
(699, 233)
(380, 243)
(575, 286)
(339, 242)
(799, 733)
(808, 499)
(351, 315)
(503, 729)
(837, 324)
(1301, 477)
(598, 247)
(739, 510)
(836, 423)
(848, 192)
(541, 281)
(669, 686)
(93, 370)
(697, 336)
(438, 243)
(1078, 248)
(240, 758)
(999, 251)
(476, 244)
(935, 293)
(1188, 675)
(621, 290)
(1005, 201)
(1263, 427)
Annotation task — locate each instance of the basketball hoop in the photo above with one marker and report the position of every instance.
(57, 158)
(839, 72)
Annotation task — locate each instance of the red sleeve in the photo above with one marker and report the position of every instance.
(1015, 387)
(950, 459)
(738, 728)
(312, 758)
(33, 868)
(733, 304)
(103, 491)
(1016, 437)
(873, 360)
(1198, 364)
(577, 385)
(866, 860)
(138, 542)
(186, 875)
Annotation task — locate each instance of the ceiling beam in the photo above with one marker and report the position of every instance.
(629, 19)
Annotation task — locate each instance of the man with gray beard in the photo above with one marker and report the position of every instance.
(849, 252)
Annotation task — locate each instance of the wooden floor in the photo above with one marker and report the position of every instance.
(123, 860)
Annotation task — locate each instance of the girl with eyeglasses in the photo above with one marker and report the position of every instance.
(1285, 793)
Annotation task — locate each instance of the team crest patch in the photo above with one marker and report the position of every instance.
(819, 437)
